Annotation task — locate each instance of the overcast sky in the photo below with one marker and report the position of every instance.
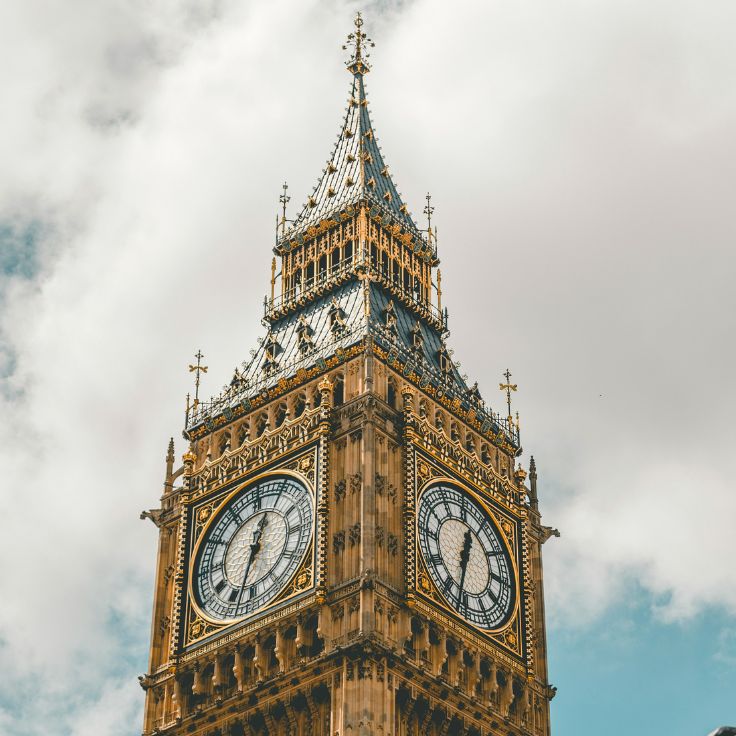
(581, 156)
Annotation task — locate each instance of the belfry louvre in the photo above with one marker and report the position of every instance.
(350, 546)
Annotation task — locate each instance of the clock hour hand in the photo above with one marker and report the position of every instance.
(464, 557)
(255, 548)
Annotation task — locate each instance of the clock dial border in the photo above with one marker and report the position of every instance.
(513, 551)
(306, 561)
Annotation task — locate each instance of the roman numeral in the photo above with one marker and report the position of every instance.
(499, 579)
(435, 558)
(219, 586)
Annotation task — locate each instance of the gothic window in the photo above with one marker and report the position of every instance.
(322, 267)
(338, 390)
(261, 424)
(300, 404)
(348, 251)
(337, 319)
(280, 414)
(335, 259)
(391, 393)
(389, 315)
(444, 360)
(242, 433)
(310, 275)
(272, 350)
(224, 443)
(304, 335)
(417, 339)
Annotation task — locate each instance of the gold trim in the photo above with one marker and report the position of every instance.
(203, 534)
(493, 514)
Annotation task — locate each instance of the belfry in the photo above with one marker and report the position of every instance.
(350, 546)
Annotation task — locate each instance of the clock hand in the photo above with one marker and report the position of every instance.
(255, 548)
(464, 557)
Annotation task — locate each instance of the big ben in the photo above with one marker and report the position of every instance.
(350, 546)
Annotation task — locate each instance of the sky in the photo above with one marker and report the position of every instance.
(581, 158)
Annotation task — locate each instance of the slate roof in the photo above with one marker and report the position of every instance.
(356, 171)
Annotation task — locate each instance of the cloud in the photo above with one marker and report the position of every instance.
(580, 159)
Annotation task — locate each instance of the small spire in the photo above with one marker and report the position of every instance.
(199, 369)
(428, 210)
(284, 200)
(359, 42)
(508, 387)
(533, 499)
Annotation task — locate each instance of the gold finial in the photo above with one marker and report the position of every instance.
(439, 291)
(359, 42)
(428, 210)
(284, 199)
(508, 387)
(273, 278)
(199, 368)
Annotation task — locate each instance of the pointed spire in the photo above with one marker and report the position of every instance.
(356, 171)
(533, 499)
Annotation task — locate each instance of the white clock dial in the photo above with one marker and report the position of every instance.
(253, 547)
(465, 556)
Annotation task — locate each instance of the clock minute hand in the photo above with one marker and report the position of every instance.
(464, 557)
(255, 548)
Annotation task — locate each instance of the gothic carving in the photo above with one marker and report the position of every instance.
(354, 534)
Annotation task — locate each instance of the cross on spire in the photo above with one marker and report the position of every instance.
(508, 387)
(359, 42)
(199, 369)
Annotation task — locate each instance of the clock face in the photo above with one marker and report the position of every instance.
(466, 557)
(252, 547)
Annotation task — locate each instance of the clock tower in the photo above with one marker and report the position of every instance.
(350, 546)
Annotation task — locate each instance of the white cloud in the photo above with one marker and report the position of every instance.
(581, 160)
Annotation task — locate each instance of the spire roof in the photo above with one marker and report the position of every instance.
(356, 170)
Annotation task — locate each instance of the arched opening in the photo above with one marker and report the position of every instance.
(391, 393)
(338, 390)
(300, 404)
(281, 414)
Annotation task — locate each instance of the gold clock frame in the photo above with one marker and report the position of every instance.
(306, 564)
